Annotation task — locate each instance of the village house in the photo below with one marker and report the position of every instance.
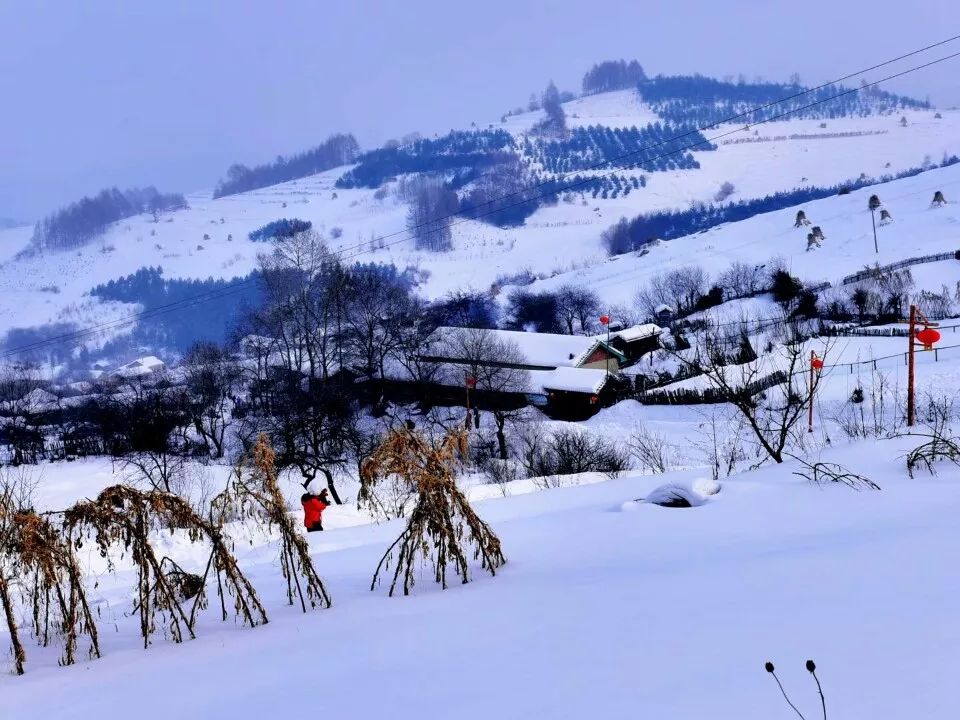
(572, 375)
(139, 367)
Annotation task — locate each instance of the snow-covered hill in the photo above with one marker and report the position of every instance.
(210, 238)
(918, 228)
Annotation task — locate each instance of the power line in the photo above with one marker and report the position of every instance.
(240, 284)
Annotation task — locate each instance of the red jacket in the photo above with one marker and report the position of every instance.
(313, 508)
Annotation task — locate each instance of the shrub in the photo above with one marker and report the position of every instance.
(278, 229)
(784, 286)
(713, 298)
(725, 191)
(570, 452)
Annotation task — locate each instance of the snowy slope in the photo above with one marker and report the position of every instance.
(600, 612)
(555, 239)
(918, 229)
(758, 161)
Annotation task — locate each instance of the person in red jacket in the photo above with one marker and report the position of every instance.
(313, 507)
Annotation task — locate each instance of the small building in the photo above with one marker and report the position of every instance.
(569, 374)
(637, 340)
(541, 351)
(147, 365)
(574, 393)
(664, 314)
(38, 400)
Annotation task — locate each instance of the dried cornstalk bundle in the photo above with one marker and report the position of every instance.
(442, 525)
(126, 516)
(37, 560)
(254, 493)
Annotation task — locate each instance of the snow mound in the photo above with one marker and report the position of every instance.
(674, 495)
(705, 487)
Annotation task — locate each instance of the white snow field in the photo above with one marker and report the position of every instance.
(566, 237)
(599, 613)
(917, 229)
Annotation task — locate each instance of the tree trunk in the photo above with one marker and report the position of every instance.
(19, 656)
(331, 486)
(501, 438)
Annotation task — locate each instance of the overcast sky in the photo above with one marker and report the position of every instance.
(96, 93)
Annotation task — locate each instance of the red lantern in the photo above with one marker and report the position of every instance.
(594, 399)
(816, 364)
(471, 382)
(604, 319)
(928, 336)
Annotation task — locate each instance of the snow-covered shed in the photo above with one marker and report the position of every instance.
(541, 351)
(573, 374)
(664, 313)
(141, 366)
(636, 341)
(38, 400)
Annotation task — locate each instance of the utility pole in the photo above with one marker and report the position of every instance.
(910, 333)
(873, 203)
(927, 337)
(605, 321)
(816, 364)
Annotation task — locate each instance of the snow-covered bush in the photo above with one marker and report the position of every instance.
(570, 451)
(651, 451)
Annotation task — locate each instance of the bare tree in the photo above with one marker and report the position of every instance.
(680, 289)
(19, 429)
(741, 280)
(431, 209)
(303, 309)
(651, 450)
(772, 394)
(577, 306)
(379, 309)
(302, 343)
(720, 440)
(148, 417)
(494, 363)
(212, 380)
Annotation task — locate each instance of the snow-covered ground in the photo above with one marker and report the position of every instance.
(560, 239)
(917, 229)
(605, 609)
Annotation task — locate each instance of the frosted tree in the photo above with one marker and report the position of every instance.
(442, 526)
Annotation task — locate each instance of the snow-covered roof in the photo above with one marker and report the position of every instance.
(38, 399)
(581, 380)
(636, 332)
(541, 349)
(140, 366)
(663, 307)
